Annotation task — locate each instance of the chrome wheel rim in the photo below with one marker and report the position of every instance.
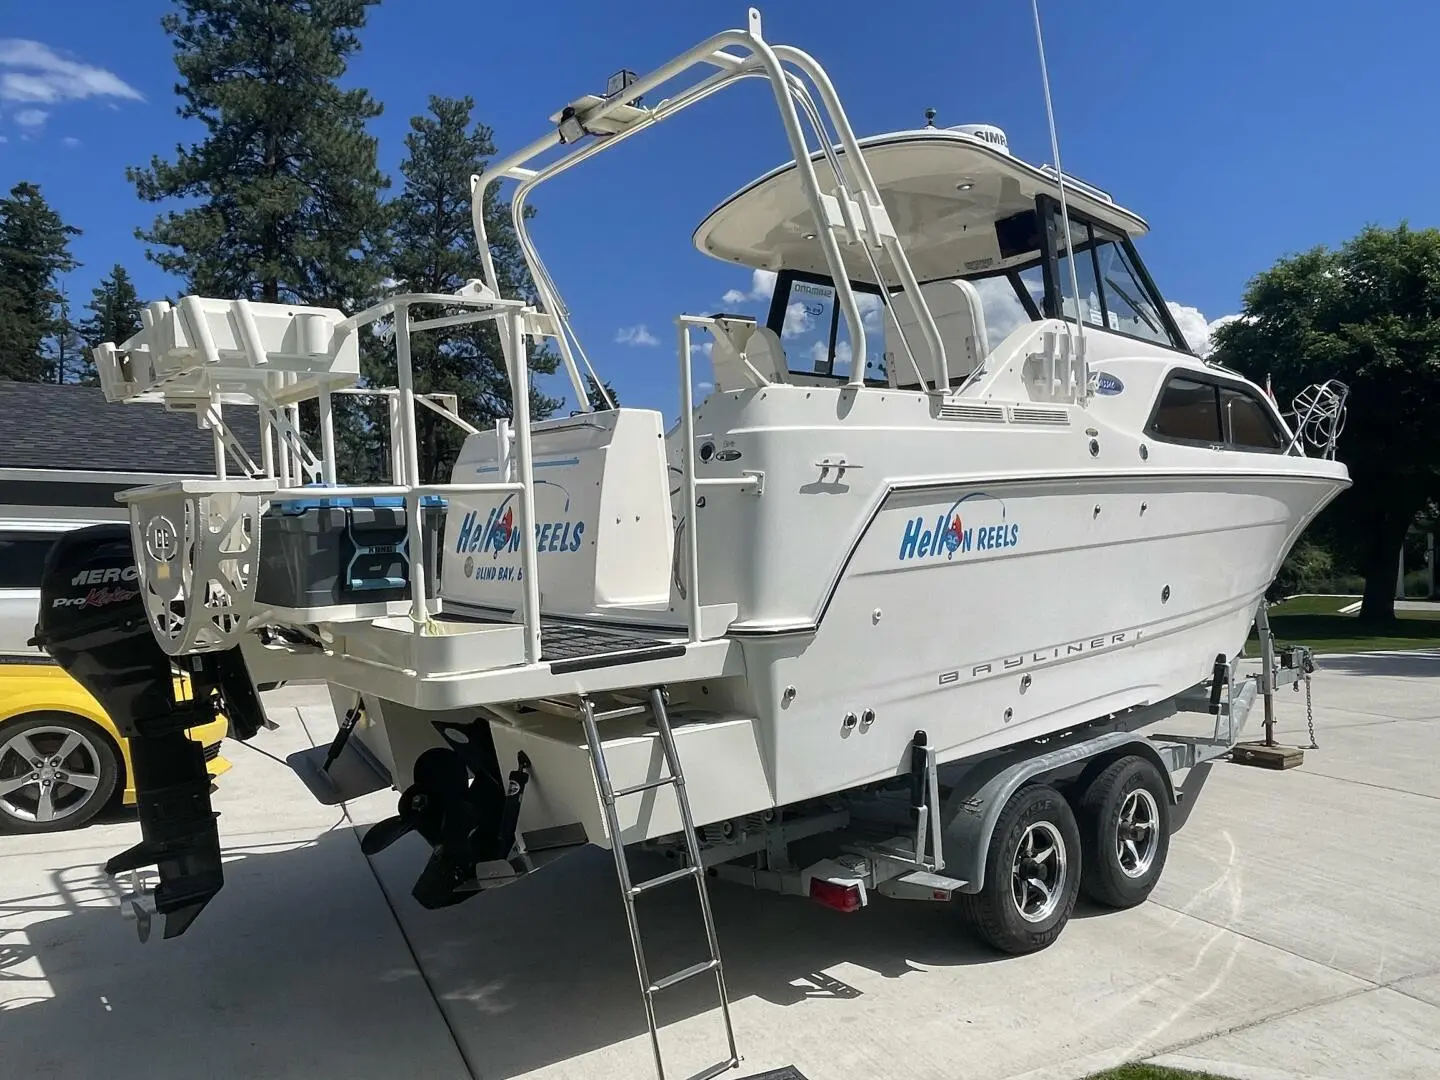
(1037, 873)
(47, 773)
(1137, 833)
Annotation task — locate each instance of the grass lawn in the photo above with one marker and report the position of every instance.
(1316, 621)
(1150, 1072)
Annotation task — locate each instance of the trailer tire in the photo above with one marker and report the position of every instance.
(1125, 829)
(1032, 873)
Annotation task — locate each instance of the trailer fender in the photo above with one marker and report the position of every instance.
(974, 805)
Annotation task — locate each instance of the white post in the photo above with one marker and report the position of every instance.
(414, 533)
(282, 450)
(267, 443)
(1400, 575)
(397, 440)
(220, 463)
(525, 467)
(327, 438)
(502, 448)
(687, 442)
(297, 465)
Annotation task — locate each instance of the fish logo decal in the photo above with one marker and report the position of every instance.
(954, 536)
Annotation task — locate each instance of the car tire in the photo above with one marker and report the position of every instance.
(1125, 830)
(1032, 873)
(57, 771)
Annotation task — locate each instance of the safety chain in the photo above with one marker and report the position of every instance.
(1309, 702)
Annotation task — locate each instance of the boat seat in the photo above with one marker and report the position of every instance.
(741, 351)
(960, 318)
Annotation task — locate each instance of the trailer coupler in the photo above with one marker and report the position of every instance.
(458, 804)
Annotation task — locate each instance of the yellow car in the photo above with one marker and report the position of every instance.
(62, 760)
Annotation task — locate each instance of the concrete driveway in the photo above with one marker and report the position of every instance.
(1296, 933)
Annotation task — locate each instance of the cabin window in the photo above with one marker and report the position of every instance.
(1202, 411)
(22, 559)
(1249, 425)
(1188, 411)
(1115, 292)
(1128, 307)
(1092, 301)
(805, 312)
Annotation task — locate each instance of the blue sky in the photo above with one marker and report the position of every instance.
(1240, 130)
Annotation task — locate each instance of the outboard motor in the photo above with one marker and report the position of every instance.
(93, 623)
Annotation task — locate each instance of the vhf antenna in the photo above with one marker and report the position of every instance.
(1077, 347)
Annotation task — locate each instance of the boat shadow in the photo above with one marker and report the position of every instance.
(1420, 663)
(297, 965)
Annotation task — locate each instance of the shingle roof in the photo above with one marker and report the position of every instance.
(73, 428)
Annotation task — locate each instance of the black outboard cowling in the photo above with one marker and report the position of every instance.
(93, 623)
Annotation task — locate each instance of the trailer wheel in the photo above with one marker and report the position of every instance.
(1032, 873)
(1125, 826)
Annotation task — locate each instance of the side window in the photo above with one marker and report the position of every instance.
(1128, 308)
(1188, 410)
(1248, 424)
(816, 334)
(809, 314)
(1089, 304)
(22, 559)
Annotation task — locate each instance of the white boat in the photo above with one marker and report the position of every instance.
(934, 510)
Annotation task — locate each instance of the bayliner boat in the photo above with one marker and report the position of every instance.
(960, 518)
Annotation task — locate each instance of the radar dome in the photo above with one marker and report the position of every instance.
(986, 133)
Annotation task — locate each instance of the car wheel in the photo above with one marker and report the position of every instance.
(57, 771)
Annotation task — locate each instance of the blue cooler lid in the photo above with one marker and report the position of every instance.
(327, 502)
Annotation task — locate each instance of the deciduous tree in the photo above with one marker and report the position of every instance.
(1367, 313)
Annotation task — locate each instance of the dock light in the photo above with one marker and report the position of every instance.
(571, 129)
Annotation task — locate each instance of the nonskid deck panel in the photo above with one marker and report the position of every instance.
(570, 646)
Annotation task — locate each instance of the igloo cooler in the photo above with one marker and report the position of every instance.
(332, 549)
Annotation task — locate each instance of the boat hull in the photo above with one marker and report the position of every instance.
(988, 613)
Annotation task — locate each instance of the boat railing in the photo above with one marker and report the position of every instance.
(852, 212)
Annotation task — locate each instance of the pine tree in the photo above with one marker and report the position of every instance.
(434, 251)
(597, 396)
(34, 252)
(114, 316)
(65, 357)
(286, 179)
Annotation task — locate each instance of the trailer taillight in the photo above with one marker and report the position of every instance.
(839, 897)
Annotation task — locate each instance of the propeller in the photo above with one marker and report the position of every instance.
(435, 799)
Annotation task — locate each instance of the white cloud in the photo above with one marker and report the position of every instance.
(1197, 329)
(703, 388)
(33, 73)
(820, 352)
(762, 287)
(1001, 307)
(702, 348)
(797, 320)
(31, 118)
(4, 139)
(872, 310)
(635, 335)
(69, 140)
